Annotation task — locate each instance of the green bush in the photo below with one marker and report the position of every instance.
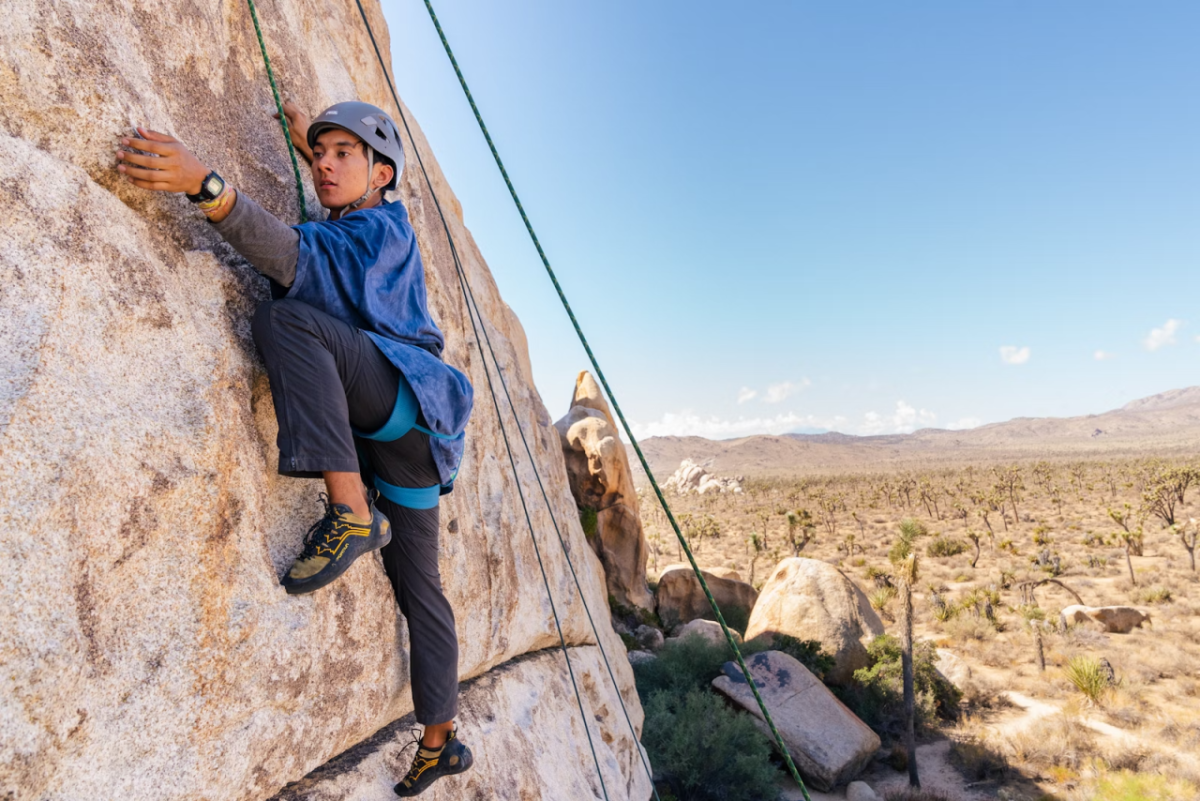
(806, 652)
(684, 665)
(945, 546)
(706, 751)
(590, 520)
(877, 693)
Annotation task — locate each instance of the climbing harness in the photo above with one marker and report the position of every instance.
(402, 420)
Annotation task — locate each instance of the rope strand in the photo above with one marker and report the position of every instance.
(287, 133)
(468, 298)
(617, 407)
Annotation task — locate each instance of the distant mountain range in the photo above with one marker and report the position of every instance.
(1167, 424)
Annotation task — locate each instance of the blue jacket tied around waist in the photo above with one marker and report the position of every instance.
(365, 270)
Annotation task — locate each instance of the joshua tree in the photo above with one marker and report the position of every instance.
(800, 527)
(904, 556)
(1009, 483)
(1033, 616)
(757, 546)
(1189, 540)
(974, 538)
(1165, 490)
(1131, 538)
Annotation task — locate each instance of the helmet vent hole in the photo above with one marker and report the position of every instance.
(379, 132)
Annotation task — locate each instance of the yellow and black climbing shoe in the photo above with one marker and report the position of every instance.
(332, 545)
(429, 765)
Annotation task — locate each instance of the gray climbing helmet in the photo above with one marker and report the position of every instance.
(370, 124)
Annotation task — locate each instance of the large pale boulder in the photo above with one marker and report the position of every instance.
(524, 725)
(680, 598)
(147, 649)
(828, 743)
(1113, 619)
(813, 600)
(598, 470)
(691, 477)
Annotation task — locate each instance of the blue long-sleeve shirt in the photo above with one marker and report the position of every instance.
(365, 269)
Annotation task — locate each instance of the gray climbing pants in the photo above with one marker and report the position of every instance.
(327, 377)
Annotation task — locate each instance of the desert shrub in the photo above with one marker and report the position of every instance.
(706, 751)
(876, 695)
(945, 546)
(682, 665)
(1129, 786)
(737, 618)
(977, 760)
(1152, 595)
(1057, 741)
(806, 652)
(881, 597)
(1087, 676)
(969, 627)
(631, 643)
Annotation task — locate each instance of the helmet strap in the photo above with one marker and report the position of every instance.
(370, 191)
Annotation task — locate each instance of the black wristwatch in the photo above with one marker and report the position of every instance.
(211, 188)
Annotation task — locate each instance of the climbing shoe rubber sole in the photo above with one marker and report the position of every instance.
(454, 759)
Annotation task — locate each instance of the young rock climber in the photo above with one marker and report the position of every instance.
(359, 386)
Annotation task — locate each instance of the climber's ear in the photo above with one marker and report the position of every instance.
(383, 175)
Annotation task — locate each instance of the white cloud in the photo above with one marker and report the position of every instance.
(690, 424)
(964, 423)
(784, 390)
(1159, 337)
(1010, 354)
(1103, 355)
(746, 394)
(905, 420)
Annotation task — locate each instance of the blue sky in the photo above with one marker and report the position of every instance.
(868, 217)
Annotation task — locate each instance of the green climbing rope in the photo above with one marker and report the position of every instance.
(287, 134)
(617, 407)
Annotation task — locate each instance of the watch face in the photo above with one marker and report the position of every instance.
(213, 186)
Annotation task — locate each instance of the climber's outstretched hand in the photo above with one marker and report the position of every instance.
(298, 127)
(171, 168)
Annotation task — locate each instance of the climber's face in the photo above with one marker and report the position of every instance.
(339, 169)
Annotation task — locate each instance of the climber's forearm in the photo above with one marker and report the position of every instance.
(271, 245)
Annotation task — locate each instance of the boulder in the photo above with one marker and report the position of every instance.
(828, 743)
(691, 477)
(650, 638)
(147, 651)
(860, 791)
(680, 598)
(952, 667)
(1113, 619)
(600, 480)
(707, 629)
(639, 657)
(813, 600)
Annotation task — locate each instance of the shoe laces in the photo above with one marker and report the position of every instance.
(319, 534)
(419, 761)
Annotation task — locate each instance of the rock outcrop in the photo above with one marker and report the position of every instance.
(1113, 619)
(828, 743)
(517, 731)
(680, 598)
(148, 650)
(598, 470)
(813, 600)
(691, 477)
(709, 630)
